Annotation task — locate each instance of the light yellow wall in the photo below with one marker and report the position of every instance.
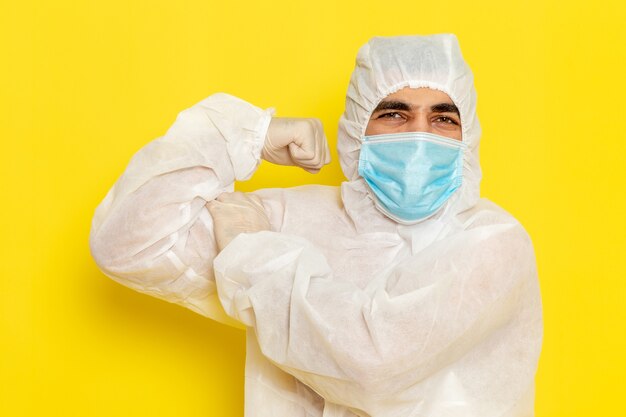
(86, 83)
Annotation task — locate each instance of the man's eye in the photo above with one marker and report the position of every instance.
(390, 115)
(446, 119)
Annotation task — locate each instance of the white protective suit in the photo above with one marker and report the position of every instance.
(348, 312)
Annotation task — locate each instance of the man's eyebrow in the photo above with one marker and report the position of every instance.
(392, 105)
(401, 105)
(445, 108)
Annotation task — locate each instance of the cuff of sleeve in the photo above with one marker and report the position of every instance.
(261, 132)
(246, 163)
(243, 127)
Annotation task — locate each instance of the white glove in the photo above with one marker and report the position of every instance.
(235, 213)
(296, 141)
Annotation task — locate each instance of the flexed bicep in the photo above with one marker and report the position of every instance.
(153, 231)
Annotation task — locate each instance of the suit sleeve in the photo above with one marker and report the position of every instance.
(152, 232)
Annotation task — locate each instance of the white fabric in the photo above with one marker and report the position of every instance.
(348, 312)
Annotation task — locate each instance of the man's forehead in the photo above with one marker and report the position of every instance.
(419, 95)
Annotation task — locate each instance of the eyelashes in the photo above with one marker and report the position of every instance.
(384, 115)
(447, 120)
(393, 115)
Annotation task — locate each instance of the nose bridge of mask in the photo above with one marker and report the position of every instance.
(412, 174)
(412, 137)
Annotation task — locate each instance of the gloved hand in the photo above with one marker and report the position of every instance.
(235, 213)
(296, 141)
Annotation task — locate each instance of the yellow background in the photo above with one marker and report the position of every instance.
(85, 84)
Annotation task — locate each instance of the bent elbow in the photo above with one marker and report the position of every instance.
(115, 259)
(124, 253)
(100, 252)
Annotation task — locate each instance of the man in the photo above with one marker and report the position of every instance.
(399, 293)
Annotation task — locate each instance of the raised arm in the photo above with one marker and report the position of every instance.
(152, 232)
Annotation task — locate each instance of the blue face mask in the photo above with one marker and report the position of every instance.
(411, 174)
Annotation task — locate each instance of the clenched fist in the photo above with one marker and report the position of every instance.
(235, 213)
(296, 141)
